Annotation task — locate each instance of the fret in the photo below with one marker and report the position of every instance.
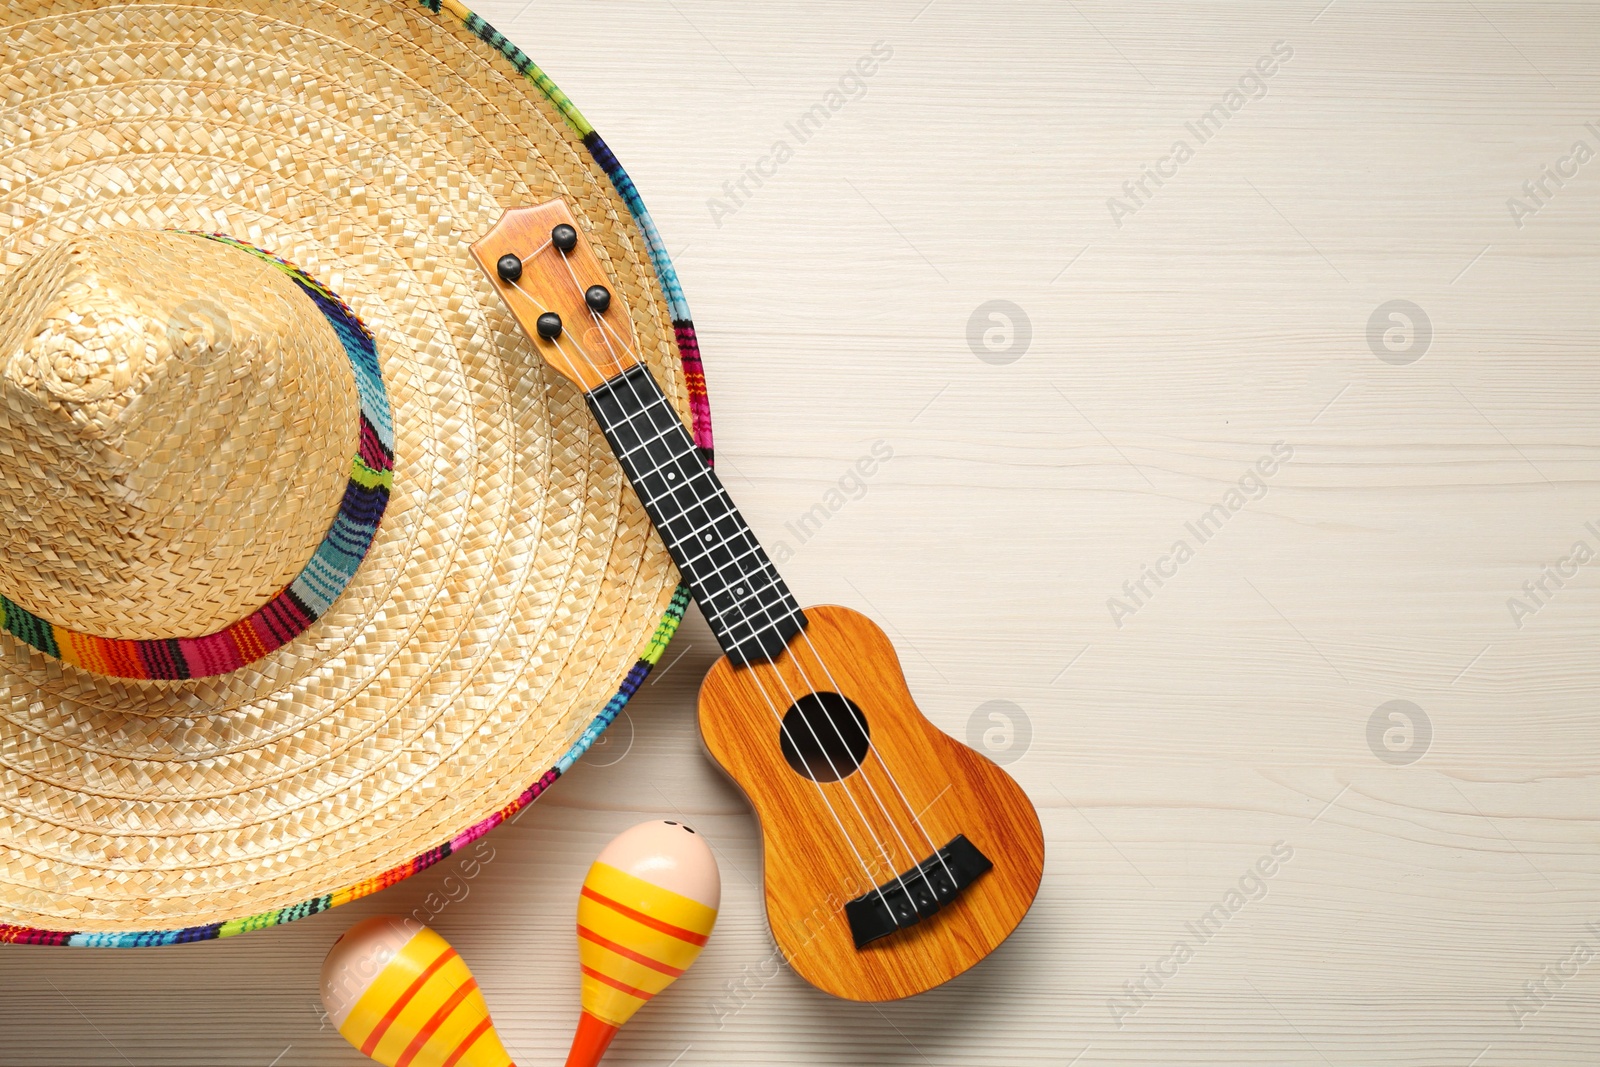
(696, 514)
(744, 591)
(656, 417)
(745, 620)
(750, 609)
(699, 536)
(690, 561)
(711, 568)
(666, 438)
(681, 489)
(638, 429)
(666, 444)
(724, 526)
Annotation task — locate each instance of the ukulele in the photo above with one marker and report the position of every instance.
(895, 857)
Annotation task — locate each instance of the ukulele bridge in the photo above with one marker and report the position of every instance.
(913, 895)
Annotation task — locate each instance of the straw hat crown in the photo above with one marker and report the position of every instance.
(177, 432)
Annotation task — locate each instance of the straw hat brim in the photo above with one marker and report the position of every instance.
(515, 595)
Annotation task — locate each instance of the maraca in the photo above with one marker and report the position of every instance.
(398, 992)
(645, 911)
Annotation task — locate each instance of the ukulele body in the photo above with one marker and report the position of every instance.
(810, 872)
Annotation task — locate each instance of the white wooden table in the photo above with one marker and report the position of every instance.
(1433, 858)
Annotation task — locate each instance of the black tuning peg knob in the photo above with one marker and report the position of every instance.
(597, 297)
(564, 237)
(549, 325)
(509, 268)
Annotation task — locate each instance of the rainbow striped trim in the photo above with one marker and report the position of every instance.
(324, 577)
(689, 351)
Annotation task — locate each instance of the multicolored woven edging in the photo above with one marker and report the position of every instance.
(302, 601)
(21, 935)
(694, 375)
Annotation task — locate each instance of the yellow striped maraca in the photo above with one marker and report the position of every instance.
(398, 992)
(645, 911)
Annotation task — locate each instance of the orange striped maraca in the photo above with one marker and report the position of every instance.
(398, 992)
(646, 909)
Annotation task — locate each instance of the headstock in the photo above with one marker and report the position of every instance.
(539, 261)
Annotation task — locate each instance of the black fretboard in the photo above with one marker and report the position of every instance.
(751, 611)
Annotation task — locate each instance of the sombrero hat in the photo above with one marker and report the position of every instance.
(311, 573)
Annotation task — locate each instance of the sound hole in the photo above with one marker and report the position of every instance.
(824, 736)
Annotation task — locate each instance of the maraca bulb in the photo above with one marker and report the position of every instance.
(400, 994)
(645, 911)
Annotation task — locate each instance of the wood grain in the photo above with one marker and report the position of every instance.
(1167, 356)
(825, 843)
(591, 348)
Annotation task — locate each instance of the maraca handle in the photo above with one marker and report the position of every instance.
(590, 1042)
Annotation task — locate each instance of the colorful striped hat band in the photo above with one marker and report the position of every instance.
(214, 400)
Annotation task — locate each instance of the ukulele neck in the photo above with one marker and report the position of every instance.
(750, 609)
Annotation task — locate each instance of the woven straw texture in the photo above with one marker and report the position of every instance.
(515, 582)
(179, 421)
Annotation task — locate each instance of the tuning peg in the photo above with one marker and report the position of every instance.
(564, 237)
(509, 268)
